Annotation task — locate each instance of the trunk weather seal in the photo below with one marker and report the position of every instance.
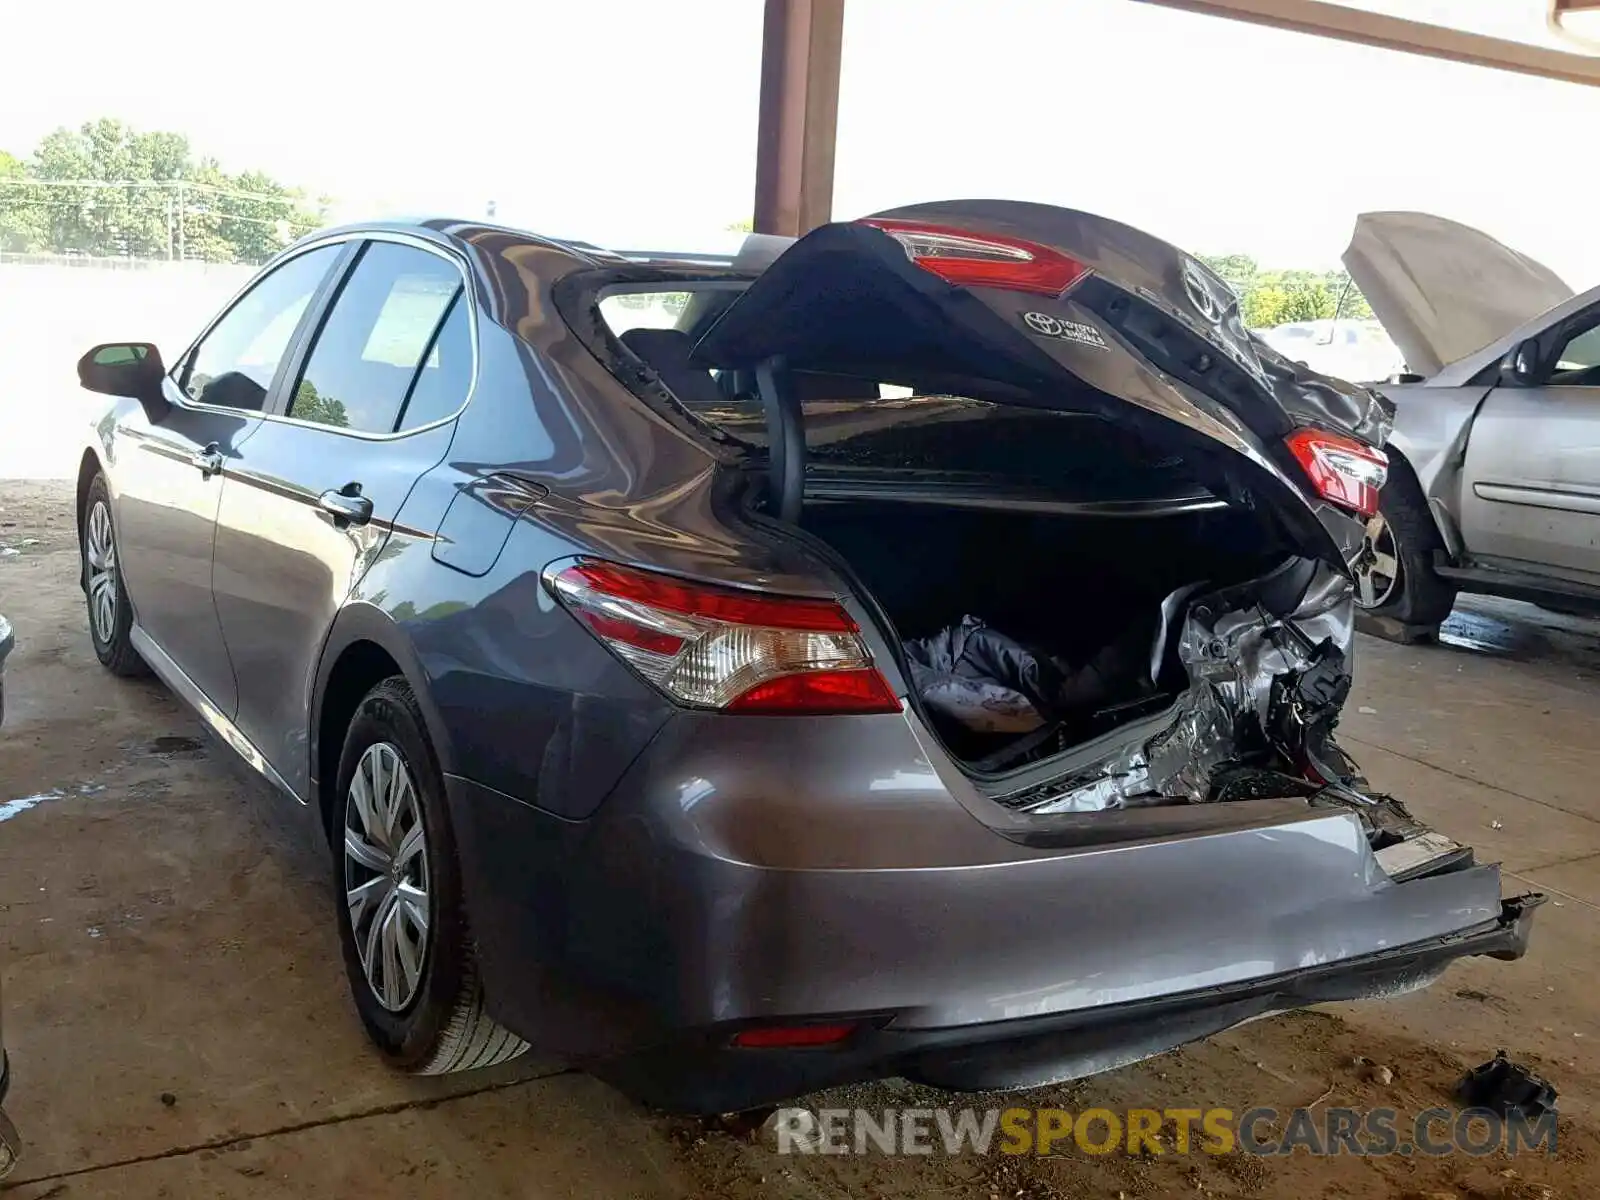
(786, 438)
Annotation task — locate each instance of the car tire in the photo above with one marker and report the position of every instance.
(110, 612)
(408, 949)
(1403, 537)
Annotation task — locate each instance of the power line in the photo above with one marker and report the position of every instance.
(178, 185)
(117, 215)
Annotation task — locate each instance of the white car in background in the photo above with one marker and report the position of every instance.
(1357, 350)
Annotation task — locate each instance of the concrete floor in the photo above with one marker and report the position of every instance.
(175, 1005)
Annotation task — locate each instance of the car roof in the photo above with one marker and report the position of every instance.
(729, 251)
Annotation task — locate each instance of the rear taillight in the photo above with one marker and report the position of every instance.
(1344, 471)
(983, 259)
(723, 648)
(792, 1037)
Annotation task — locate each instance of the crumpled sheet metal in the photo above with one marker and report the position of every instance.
(1232, 659)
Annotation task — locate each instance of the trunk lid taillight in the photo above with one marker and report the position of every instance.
(726, 648)
(1342, 470)
(983, 259)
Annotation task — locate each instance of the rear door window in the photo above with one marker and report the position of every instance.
(384, 345)
(445, 377)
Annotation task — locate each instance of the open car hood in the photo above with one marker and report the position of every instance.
(1443, 289)
(1146, 325)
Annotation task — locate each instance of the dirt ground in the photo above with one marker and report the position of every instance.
(175, 1006)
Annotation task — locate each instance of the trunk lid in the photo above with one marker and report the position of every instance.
(1145, 325)
(1443, 289)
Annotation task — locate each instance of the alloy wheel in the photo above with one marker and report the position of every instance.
(386, 875)
(1377, 567)
(100, 554)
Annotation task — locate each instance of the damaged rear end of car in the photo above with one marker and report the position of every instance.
(1105, 532)
(1085, 550)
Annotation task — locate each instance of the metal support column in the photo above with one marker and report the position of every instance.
(800, 50)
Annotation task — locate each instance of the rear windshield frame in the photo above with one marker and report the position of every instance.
(577, 298)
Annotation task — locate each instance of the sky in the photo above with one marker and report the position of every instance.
(632, 122)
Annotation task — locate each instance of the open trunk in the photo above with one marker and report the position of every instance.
(1056, 427)
(1077, 599)
(1132, 660)
(1108, 535)
(1073, 662)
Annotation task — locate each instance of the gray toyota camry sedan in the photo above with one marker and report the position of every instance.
(912, 649)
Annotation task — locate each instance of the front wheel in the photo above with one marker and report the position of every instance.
(1394, 572)
(403, 925)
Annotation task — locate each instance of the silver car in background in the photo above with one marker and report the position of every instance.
(1494, 460)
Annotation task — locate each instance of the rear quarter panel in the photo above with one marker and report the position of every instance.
(527, 702)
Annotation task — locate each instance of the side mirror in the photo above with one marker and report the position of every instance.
(132, 369)
(1520, 368)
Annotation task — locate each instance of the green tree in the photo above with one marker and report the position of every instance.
(259, 216)
(1307, 300)
(1262, 307)
(1274, 297)
(156, 197)
(127, 218)
(1238, 271)
(20, 228)
(202, 235)
(310, 405)
(1353, 304)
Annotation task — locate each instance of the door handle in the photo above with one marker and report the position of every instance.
(207, 461)
(347, 506)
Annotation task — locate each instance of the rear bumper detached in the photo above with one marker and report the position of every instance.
(711, 893)
(703, 1072)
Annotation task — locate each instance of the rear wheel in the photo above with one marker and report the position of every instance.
(407, 948)
(110, 613)
(10, 1145)
(1394, 571)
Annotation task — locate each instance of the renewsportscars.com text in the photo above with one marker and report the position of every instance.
(1260, 1131)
